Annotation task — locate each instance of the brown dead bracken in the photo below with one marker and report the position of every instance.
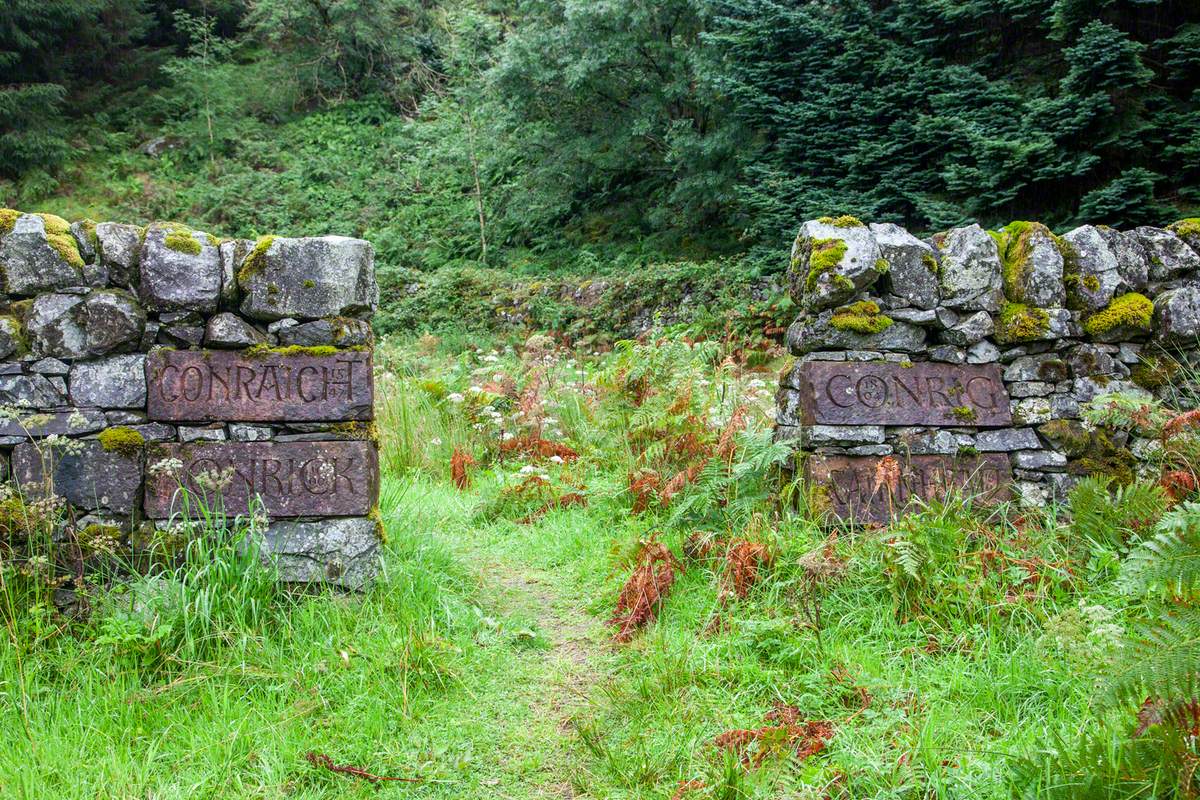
(322, 761)
(645, 589)
(459, 464)
(743, 561)
(753, 746)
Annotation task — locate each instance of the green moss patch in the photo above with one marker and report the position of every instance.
(1185, 228)
(263, 350)
(862, 317)
(844, 221)
(1016, 247)
(8, 220)
(182, 243)
(1131, 310)
(1021, 323)
(122, 441)
(824, 258)
(255, 260)
(59, 236)
(1067, 436)
(1154, 372)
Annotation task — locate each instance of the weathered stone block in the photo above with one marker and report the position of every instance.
(969, 276)
(1177, 316)
(912, 266)
(819, 333)
(291, 480)
(39, 255)
(10, 336)
(29, 391)
(227, 330)
(308, 278)
(113, 321)
(1169, 256)
(344, 552)
(117, 249)
(854, 489)
(57, 326)
(220, 385)
(1005, 440)
(180, 269)
(92, 478)
(112, 382)
(338, 332)
(832, 260)
(892, 394)
(70, 422)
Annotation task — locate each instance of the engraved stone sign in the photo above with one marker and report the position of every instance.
(856, 492)
(926, 393)
(218, 386)
(293, 479)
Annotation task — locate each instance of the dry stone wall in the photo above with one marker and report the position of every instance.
(134, 361)
(967, 356)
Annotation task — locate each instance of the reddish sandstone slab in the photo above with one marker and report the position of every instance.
(227, 386)
(924, 393)
(292, 479)
(855, 493)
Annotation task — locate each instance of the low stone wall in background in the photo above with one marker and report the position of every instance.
(968, 356)
(136, 360)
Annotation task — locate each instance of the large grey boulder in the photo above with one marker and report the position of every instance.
(180, 269)
(39, 254)
(807, 334)
(343, 551)
(57, 326)
(969, 275)
(308, 278)
(912, 265)
(1033, 266)
(114, 321)
(832, 260)
(113, 382)
(1177, 316)
(1170, 257)
(117, 250)
(29, 391)
(92, 478)
(227, 330)
(339, 332)
(1104, 263)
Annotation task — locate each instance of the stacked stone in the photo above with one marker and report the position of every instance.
(86, 305)
(1065, 318)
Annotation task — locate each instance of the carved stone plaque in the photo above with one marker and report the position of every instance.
(926, 393)
(293, 479)
(856, 491)
(221, 385)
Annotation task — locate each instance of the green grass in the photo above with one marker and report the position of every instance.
(481, 662)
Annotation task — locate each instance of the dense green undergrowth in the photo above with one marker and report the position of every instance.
(959, 653)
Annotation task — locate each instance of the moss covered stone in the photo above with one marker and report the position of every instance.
(1067, 436)
(1130, 310)
(1154, 371)
(8, 220)
(255, 261)
(1021, 323)
(59, 236)
(862, 317)
(824, 258)
(122, 441)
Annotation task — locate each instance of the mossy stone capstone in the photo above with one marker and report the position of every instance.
(911, 270)
(1032, 265)
(831, 261)
(1105, 263)
(308, 278)
(969, 270)
(39, 254)
(175, 277)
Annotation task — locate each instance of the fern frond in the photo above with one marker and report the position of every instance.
(1170, 559)
(1162, 659)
